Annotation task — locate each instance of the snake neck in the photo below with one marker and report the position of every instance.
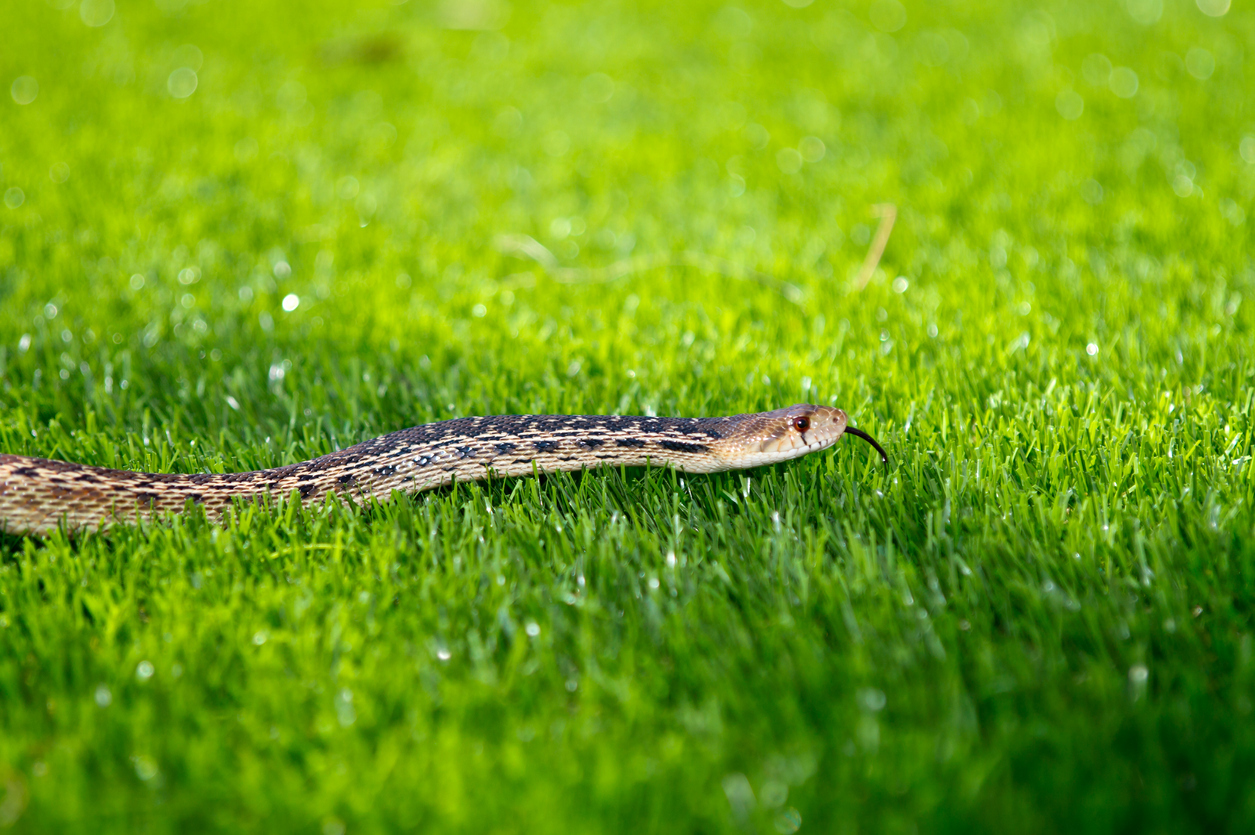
(523, 444)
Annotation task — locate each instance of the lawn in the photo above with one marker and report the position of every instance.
(237, 235)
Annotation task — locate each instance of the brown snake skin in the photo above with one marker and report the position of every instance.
(38, 495)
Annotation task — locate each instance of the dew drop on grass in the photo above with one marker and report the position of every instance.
(1145, 12)
(182, 82)
(788, 821)
(96, 13)
(789, 160)
(556, 143)
(145, 766)
(24, 89)
(189, 55)
(1246, 149)
(597, 88)
(1200, 63)
(1070, 104)
(871, 700)
(1123, 82)
(812, 148)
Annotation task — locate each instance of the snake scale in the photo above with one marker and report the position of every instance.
(38, 495)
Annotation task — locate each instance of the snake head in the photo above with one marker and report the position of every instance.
(785, 434)
(782, 435)
(802, 428)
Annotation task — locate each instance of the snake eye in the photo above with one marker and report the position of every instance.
(801, 424)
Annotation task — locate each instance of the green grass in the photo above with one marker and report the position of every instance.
(1039, 618)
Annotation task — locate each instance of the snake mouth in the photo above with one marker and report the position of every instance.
(859, 433)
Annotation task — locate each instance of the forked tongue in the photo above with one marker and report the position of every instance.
(859, 433)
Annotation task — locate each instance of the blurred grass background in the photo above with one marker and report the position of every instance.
(238, 235)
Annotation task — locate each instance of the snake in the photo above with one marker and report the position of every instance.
(39, 495)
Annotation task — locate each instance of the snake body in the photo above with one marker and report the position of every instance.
(37, 495)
